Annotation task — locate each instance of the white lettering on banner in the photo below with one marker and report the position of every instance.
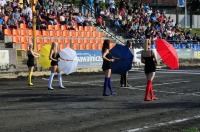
(90, 58)
(4, 57)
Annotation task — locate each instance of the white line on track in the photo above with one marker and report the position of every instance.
(138, 87)
(164, 123)
(191, 72)
(169, 83)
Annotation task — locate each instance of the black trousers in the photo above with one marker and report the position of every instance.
(123, 79)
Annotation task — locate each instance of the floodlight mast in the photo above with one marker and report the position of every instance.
(185, 13)
(34, 24)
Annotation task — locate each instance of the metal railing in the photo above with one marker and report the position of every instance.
(108, 23)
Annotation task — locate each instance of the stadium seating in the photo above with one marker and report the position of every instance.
(85, 38)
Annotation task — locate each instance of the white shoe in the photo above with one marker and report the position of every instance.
(61, 87)
(50, 88)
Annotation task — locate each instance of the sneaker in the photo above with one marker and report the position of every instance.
(122, 85)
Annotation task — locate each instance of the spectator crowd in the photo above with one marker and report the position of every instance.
(48, 12)
(137, 21)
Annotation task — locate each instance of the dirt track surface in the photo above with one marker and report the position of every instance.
(82, 108)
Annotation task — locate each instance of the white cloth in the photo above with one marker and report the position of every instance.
(62, 18)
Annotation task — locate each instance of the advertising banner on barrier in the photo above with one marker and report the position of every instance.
(7, 60)
(185, 53)
(89, 58)
(196, 53)
(4, 59)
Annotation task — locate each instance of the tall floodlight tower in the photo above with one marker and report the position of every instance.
(183, 3)
(34, 24)
(185, 13)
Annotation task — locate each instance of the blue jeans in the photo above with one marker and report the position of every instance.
(83, 9)
(90, 8)
(52, 22)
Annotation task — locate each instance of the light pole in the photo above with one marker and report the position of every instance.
(34, 25)
(185, 13)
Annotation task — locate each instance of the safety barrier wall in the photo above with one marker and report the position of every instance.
(12, 60)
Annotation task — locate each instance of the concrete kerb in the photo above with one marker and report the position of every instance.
(23, 74)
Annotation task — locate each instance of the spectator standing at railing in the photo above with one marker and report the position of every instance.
(112, 6)
(189, 32)
(96, 6)
(83, 6)
(90, 3)
(188, 35)
(196, 37)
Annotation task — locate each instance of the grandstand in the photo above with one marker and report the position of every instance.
(116, 20)
(89, 37)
